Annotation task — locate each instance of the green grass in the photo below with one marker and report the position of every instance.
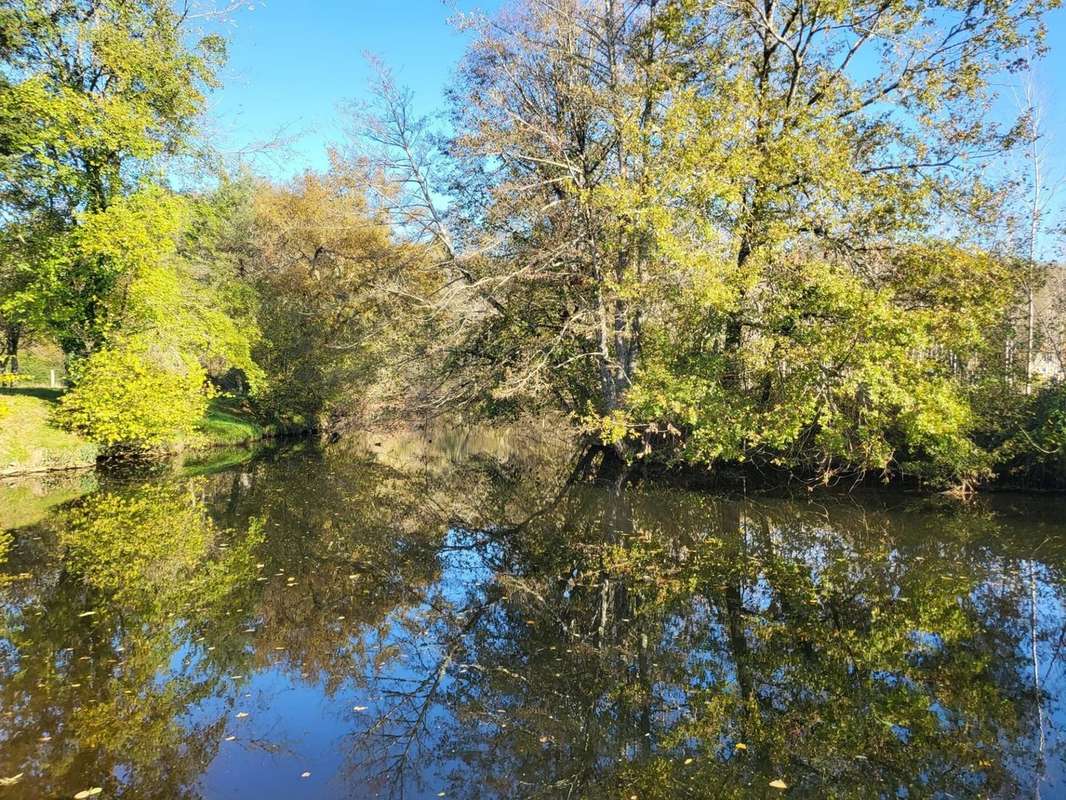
(29, 442)
(228, 422)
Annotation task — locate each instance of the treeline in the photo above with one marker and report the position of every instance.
(708, 232)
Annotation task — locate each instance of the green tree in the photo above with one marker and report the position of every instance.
(693, 222)
(334, 298)
(93, 95)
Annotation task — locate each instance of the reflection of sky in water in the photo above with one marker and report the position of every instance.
(418, 620)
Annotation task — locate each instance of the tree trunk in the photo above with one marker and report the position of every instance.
(1030, 337)
(12, 334)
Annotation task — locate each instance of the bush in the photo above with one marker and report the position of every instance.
(1034, 454)
(124, 402)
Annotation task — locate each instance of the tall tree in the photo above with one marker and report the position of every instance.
(718, 219)
(92, 95)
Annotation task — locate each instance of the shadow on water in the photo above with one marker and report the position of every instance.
(405, 618)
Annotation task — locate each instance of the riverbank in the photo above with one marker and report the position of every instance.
(31, 444)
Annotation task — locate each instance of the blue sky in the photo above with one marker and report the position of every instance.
(292, 62)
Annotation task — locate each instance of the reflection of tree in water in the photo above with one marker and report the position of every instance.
(134, 608)
(93, 625)
(522, 640)
(668, 645)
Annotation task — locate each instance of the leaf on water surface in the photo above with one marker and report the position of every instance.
(242, 714)
(778, 784)
(740, 746)
(88, 793)
(689, 761)
(359, 708)
(86, 614)
(230, 738)
(305, 774)
(12, 780)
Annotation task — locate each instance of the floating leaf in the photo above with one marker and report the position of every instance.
(242, 714)
(778, 784)
(12, 780)
(88, 793)
(359, 708)
(305, 774)
(689, 761)
(741, 746)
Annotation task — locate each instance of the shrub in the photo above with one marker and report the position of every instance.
(1034, 454)
(125, 402)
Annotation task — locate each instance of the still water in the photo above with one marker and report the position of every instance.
(405, 618)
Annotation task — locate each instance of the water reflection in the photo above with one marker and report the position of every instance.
(402, 618)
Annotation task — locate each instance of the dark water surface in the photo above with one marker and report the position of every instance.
(405, 619)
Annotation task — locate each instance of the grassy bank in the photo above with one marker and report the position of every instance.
(28, 440)
(228, 422)
(30, 443)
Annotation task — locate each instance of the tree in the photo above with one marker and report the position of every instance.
(92, 96)
(690, 217)
(333, 293)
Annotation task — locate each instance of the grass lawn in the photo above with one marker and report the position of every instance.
(28, 442)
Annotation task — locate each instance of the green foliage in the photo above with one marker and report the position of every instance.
(1030, 442)
(91, 92)
(125, 401)
(843, 374)
(744, 247)
(94, 96)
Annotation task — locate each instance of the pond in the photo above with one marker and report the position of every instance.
(453, 618)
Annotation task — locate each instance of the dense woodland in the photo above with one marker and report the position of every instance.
(706, 233)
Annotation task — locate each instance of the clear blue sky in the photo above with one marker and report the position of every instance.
(292, 62)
